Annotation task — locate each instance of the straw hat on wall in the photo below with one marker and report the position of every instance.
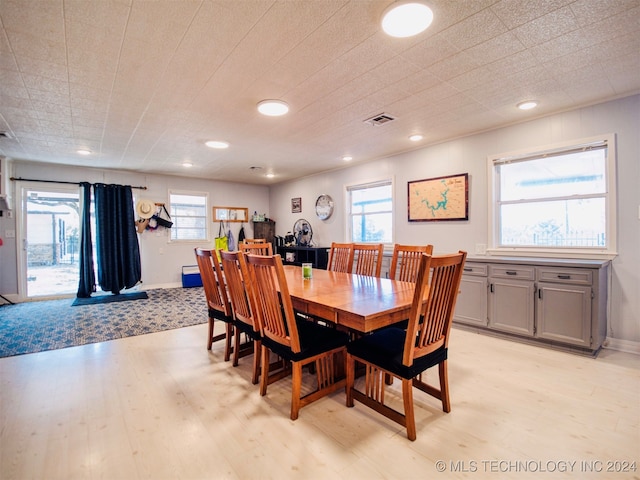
(145, 208)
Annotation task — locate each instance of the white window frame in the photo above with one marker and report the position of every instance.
(368, 184)
(206, 216)
(609, 251)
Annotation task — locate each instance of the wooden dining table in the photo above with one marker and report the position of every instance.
(357, 302)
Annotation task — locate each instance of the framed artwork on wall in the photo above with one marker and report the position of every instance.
(439, 198)
(230, 214)
(296, 205)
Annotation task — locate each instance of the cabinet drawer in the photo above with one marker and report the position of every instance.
(520, 272)
(575, 276)
(479, 269)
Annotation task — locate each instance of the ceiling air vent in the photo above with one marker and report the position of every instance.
(380, 119)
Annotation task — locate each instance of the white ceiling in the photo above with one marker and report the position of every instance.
(143, 84)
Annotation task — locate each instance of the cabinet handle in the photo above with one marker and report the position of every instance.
(564, 277)
(510, 272)
(468, 269)
(540, 293)
(491, 287)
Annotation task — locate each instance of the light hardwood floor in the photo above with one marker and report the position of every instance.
(160, 406)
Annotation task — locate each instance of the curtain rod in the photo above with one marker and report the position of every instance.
(59, 181)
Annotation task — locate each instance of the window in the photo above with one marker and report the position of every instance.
(189, 216)
(556, 200)
(371, 212)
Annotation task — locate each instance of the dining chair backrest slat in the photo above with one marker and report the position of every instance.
(405, 261)
(368, 259)
(257, 248)
(430, 320)
(273, 302)
(212, 280)
(340, 257)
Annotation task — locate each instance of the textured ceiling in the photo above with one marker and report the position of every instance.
(143, 84)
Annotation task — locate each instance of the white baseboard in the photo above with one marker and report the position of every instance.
(622, 345)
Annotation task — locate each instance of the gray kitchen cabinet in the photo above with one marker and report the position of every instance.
(554, 302)
(511, 294)
(563, 305)
(471, 307)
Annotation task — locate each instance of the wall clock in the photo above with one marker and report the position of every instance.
(324, 206)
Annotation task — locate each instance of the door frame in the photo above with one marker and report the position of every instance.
(21, 232)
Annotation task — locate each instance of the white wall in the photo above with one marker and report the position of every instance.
(161, 260)
(469, 155)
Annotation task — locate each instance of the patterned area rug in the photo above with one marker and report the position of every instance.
(49, 325)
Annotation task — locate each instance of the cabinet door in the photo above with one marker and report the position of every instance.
(563, 313)
(471, 306)
(511, 306)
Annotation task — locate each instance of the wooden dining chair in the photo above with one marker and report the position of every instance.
(340, 257)
(406, 261)
(368, 259)
(296, 340)
(406, 354)
(262, 248)
(245, 322)
(254, 240)
(217, 299)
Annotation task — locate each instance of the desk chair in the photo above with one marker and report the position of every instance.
(340, 257)
(295, 340)
(368, 259)
(257, 248)
(406, 354)
(241, 296)
(217, 299)
(405, 261)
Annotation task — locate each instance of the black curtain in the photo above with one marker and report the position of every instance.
(87, 283)
(117, 246)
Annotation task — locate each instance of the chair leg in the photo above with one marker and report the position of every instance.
(407, 398)
(351, 366)
(296, 388)
(264, 378)
(236, 345)
(257, 347)
(444, 386)
(227, 346)
(210, 338)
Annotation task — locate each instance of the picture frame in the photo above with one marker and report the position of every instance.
(296, 205)
(438, 199)
(230, 214)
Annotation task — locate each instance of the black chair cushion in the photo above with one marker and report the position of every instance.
(385, 347)
(314, 339)
(218, 315)
(248, 329)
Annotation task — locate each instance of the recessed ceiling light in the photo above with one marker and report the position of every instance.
(83, 151)
(216, 144)
(187, 164)
(416, 138)
(347, 158)
(270, 175)
(273, 108)
(406, 18)
(527, 105)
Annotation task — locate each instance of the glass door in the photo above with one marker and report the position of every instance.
(50, 240)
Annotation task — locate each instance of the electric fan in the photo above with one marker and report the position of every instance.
(302, 233)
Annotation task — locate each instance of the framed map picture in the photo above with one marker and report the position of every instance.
(439, 199)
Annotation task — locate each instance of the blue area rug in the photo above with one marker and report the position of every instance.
(121, 297)
(31, 327)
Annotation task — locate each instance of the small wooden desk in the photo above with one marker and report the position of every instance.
(357, 302)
